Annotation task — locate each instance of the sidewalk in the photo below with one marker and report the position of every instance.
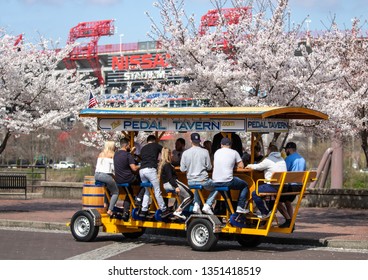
(342, 228)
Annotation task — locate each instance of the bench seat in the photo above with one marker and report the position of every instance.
(14, 182)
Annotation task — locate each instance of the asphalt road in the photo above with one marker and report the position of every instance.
(33, 244)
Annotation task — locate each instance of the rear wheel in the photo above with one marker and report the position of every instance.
(200, 235)
(134, 235)
(248, 240)
(82, 226)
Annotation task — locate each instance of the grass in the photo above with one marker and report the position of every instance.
(69, 175)
(356, 180)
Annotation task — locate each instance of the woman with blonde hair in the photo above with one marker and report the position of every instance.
(169, 179)
(105, 173)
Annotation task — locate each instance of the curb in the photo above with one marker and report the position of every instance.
(34, 225)
(348, 244)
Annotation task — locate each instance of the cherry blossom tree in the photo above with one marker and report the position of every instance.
(346, 99)
(257, 61)
(34, 94)
(261, 61)
(233, 64)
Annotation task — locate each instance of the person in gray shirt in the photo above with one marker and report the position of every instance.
(196, 163)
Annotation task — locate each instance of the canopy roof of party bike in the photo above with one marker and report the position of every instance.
(289, 113)
(224, 119)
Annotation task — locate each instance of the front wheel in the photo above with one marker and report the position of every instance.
(200, 235)
(248, 240)
(82, 226)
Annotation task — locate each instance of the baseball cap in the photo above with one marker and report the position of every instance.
(291, 145)
(195, 138)
(226, 141)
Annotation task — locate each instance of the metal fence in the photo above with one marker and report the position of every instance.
(34, 173)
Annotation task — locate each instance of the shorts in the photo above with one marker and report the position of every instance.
(290, 188)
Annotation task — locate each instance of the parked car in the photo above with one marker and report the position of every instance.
(64, 165)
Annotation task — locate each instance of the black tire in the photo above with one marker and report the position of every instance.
(200, 235)
(248, 240)
(134, 235)
(82, 227)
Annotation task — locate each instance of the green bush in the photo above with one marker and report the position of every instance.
(84, 171)
(355, 179)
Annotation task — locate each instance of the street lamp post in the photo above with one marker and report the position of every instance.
(308, 21)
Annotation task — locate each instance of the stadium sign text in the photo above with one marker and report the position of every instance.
(139, 61)
(145, 75)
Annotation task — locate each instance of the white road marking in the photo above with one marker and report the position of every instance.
(106, 252)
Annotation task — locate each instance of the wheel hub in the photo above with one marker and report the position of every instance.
(200, 235)
(82, 226)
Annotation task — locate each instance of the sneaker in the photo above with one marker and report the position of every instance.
(264, 216)
(207, 209)
(179, 215)
(286, 224)
(196, 209)
(138, 202)
(125, 216)
(143, 214)
(241, 210)
(165, 213)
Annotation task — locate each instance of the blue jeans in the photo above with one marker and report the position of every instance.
(266, 188)
(237, 184)
(207, 185)
(150, 174)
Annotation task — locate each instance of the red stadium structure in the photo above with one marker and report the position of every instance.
(89, 52)
(18, 40)
(130, 65)
(223, 17)
(125, 71)
(230, 15)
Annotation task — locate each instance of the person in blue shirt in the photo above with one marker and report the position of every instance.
(294, 162)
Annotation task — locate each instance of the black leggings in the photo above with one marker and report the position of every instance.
(188, 196)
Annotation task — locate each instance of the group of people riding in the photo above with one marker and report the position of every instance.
(157, 166)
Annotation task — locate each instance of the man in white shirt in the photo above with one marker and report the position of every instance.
(272, 163)
(225, 160)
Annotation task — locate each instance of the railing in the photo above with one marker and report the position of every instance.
(127, 47)
(35, 173)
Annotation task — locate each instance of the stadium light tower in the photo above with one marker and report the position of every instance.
(308, 21)
(121, 42)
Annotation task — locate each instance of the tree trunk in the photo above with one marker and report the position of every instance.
(5, 141)
(364, 138)
(337, 162)
(284, 141)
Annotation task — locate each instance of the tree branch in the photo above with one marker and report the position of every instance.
(5, 141)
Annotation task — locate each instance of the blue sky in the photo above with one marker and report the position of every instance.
(54, 18)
